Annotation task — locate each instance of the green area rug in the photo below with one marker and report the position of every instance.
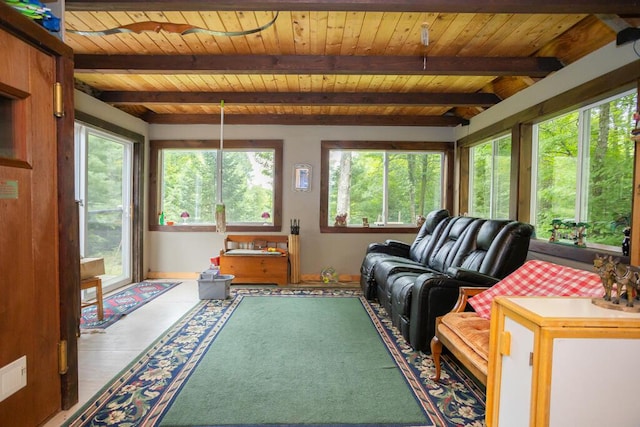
(283, 357)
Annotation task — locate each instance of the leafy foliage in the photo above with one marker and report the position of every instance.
(414, 185)
(589, 179)
(189, 183)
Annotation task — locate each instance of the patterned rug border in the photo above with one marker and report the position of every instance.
(142, 392)
(91, 312)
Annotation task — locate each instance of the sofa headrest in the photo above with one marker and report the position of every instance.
(433, 219)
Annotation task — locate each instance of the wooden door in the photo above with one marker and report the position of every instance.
(29, 275)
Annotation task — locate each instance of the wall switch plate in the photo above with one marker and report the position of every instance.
(13, 377)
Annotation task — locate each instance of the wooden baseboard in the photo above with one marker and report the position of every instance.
(310, 278)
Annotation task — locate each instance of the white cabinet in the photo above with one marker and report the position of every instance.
(560, 361)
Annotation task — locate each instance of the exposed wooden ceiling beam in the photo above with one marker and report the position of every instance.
(289, 119)
(320, 64)
(302, 98)
(442, 6)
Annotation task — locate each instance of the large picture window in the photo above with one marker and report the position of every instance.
(490, 178)
(583, 170)
(379, 184)
(185, 192)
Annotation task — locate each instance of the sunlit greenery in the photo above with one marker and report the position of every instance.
(587, 178)
(490, 177)
(413, 185)
(105, 162)
(189, 184)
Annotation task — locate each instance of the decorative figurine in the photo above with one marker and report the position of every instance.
(341, 220)
(626, 241)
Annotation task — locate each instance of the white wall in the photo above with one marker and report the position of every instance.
(190, 252)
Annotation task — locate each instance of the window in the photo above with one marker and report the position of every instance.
(185, 193)
(490, 178)
(583, 170)
(380, 184)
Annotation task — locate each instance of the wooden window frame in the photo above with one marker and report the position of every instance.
(156, 147)
(446, 148)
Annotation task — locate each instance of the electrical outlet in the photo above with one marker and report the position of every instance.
(13, 377)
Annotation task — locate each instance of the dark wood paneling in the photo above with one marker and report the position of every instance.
(451, 6)
(324, 64)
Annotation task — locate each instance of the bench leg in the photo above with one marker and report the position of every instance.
(436, 350)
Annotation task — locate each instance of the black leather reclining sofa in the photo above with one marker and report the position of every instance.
(417, 283)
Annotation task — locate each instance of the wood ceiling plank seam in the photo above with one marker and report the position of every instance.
(328, 83)
(244, 83)
(256, 83)
(469, 32)
(402, 35)
(318, 32)
(270, 35)
(93, 21)
(189, 44)
(515, 41)
(215, 21)
(293, 84)
(503, 30)
(384, 33)
(209, 41)
(266, 34)
(438, 31)
(555, 26)
(280, 82)
(335, 30)
(191, 83)
(284, 35)
(353, 83)
(203, 40)
(232, 22)
(304, 83)
(485, 35)
(169, 43)
(301, 33)
(370, 25)
(248, 21)
(375, 83)
(456, 36)
(537, 30)
(351, 33)
(138, 43)
(586, 36)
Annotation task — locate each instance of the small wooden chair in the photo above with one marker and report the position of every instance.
(93, 282)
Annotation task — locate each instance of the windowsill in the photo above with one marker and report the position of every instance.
(371, 230)
(182, 228)
(584, 255)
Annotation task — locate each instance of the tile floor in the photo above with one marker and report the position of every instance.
(101, 356)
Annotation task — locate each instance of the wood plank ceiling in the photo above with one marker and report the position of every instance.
(330, 62)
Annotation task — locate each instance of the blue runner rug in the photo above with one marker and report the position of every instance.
(122, 303)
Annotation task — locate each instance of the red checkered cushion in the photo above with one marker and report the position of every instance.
(540, 278)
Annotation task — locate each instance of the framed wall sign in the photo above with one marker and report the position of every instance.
(302, 177)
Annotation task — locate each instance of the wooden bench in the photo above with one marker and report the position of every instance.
(256, 258)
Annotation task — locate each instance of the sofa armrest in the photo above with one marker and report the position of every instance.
(466, 292)
(397, 244)
(471, 276)
(396, 249)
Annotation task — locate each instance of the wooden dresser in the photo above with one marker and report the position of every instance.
(256, 258)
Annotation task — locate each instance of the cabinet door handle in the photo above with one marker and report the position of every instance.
(505, 343)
